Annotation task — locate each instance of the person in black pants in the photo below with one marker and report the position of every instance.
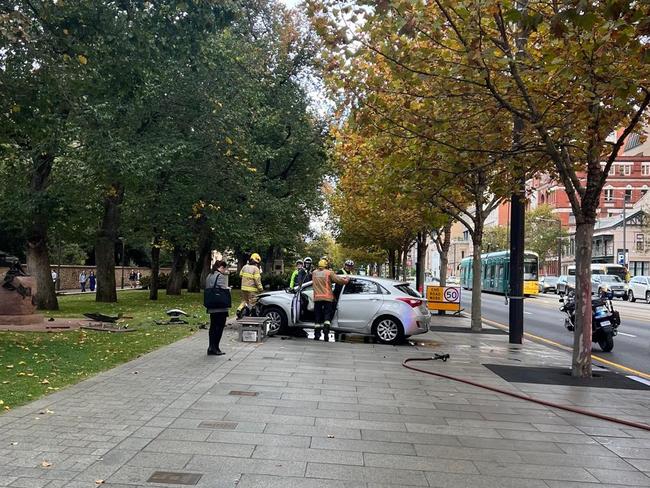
(218, 316)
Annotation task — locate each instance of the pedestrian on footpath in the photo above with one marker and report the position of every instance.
(92, 281)
(322, 280)
(82, 280)
(216, 285)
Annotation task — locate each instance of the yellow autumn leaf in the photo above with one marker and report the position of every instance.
(228, 140)
(45, 382)
(9, 366)
(16, 108)
(82, 59)
(66, 31)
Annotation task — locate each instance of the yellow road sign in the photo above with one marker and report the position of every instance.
(443, 298)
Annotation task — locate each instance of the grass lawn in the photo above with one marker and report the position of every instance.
(33, 364)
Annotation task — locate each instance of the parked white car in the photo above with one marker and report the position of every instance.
(387, 309)
(639, 288)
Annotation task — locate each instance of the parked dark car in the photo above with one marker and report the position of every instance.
(7, 260)
(547, 284)
(565, 283)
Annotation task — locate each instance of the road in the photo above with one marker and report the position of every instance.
(543, 318)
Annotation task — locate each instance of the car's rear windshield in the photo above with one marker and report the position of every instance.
(406, 288)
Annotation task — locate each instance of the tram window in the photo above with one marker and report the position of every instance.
(492, 271)
(530, 270)
(500, 272)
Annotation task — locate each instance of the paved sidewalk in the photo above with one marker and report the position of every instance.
(325, 415)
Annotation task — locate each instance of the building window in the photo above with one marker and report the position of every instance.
(645, 169)
(628, 195)
(462, 255)
(633, 141)
(627, 170)
(609, 195)
(640, 238)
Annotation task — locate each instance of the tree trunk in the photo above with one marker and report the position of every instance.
(404, 255)
(155, 268)
(477, 322)
(581, 363)
(105, 245)
(38, 260)
(422, 252)
(175, 281)
(193, 272)
(391, 264)
(206, 264)
(38, 265)
(269, 260)
(444, 253)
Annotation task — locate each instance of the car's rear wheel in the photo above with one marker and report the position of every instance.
(647, 296)
(630, 296)
(388, 330)
(277, 320)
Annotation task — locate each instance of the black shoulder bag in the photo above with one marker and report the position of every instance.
(216, 297)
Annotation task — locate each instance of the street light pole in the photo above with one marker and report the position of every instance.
(624, 233)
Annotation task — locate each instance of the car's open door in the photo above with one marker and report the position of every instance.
(295, 307)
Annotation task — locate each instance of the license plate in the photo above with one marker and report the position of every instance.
(605, 322)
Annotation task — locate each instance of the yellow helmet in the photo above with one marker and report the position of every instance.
(256, 257)
(322, 263)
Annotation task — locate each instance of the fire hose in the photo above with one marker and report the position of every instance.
(566, 408)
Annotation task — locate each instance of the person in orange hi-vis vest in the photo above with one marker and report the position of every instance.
(322, 280)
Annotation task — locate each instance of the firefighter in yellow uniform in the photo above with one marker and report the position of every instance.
(251, 282)
(322, 280)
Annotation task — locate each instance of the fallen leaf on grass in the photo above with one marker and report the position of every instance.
(45, 382)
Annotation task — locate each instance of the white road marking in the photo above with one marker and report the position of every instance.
(640, 380)
(626, 335)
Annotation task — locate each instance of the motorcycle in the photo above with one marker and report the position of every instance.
(604, 319)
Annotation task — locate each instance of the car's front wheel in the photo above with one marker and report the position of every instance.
(388, 330)
(277, 320)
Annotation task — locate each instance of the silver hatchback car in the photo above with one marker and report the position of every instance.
(387, 309)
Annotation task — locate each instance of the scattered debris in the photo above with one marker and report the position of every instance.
(46, 464)
(330, 436)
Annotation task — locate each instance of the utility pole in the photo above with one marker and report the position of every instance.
(517, 217)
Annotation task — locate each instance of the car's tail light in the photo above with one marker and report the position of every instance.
(413, 302)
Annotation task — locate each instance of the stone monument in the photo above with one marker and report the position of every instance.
(17, 298)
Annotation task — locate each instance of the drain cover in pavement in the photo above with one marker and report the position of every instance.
(212, 424)
(464, 330)
(243, 393)
(172, 478)
(562, 376)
